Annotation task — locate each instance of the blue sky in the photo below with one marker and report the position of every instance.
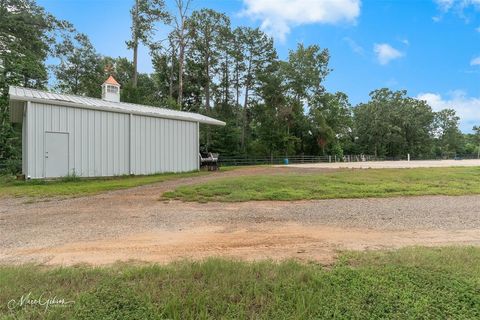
(429, 47)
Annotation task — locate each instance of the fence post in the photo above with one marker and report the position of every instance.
(408, 157)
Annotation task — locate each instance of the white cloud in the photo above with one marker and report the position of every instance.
(458, 7)
(358, 49)
(446, 5)
(278, 16)
(386, 53)
(475, 61)
(467, 108)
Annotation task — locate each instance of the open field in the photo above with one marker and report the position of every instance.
(406, 284)
(345, 183)
(391, 164)
(344, 264)
(134, 224)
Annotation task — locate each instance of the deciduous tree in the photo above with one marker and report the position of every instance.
(80, 70)
(145, 14)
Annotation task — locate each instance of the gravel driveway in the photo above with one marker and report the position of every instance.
(135, 224)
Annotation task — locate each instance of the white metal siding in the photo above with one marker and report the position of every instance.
(163, 145)
(99, 141)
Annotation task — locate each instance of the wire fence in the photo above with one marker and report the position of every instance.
(246, 160)
(14, 166)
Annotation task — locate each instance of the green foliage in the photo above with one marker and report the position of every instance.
(272, 119)
(26, 37)
(120, 68)
(145, 14)
(449, 139)
(80, 70)
(393, 124)
(330, 122)
(271, 106)
(72, 177)
(411, 283)
(113, 300)
(358, 183)
(305, 71)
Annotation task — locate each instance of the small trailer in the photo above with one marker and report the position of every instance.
(209, 161)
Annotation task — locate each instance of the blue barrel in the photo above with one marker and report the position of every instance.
(285, 161)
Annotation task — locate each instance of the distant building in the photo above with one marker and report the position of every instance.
(66, 134)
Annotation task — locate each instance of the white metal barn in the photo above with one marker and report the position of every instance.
(66, 134)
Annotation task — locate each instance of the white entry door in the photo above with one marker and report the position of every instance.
(56, 154)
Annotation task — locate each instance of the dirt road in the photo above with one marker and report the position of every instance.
(135, 225)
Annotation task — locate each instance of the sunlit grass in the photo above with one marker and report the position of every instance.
(349, 183)
(412, 283)
(71, 187)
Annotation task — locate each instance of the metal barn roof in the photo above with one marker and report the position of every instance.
(26, 94)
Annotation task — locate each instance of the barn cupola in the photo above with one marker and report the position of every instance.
(111, 90)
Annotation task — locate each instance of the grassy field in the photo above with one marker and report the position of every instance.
(410, 283)
(71, 187)
(357, 183)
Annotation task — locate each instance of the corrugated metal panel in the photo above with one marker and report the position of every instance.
(163, 145)
(26, 94)
(98, 140)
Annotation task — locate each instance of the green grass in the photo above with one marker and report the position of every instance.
(74, 186)
(412, 283)
(357, 183)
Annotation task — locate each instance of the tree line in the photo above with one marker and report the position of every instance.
(272, 106)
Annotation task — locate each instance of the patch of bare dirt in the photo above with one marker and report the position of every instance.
(290, 240)
(133, 225)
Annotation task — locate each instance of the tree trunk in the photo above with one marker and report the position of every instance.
(135, 62)
(244, 122)
(207, 84)
(237, 86)
(226, 79)
(207, 98)
(135, 47)
(247, 88)
(180, 72)
(170, 85)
